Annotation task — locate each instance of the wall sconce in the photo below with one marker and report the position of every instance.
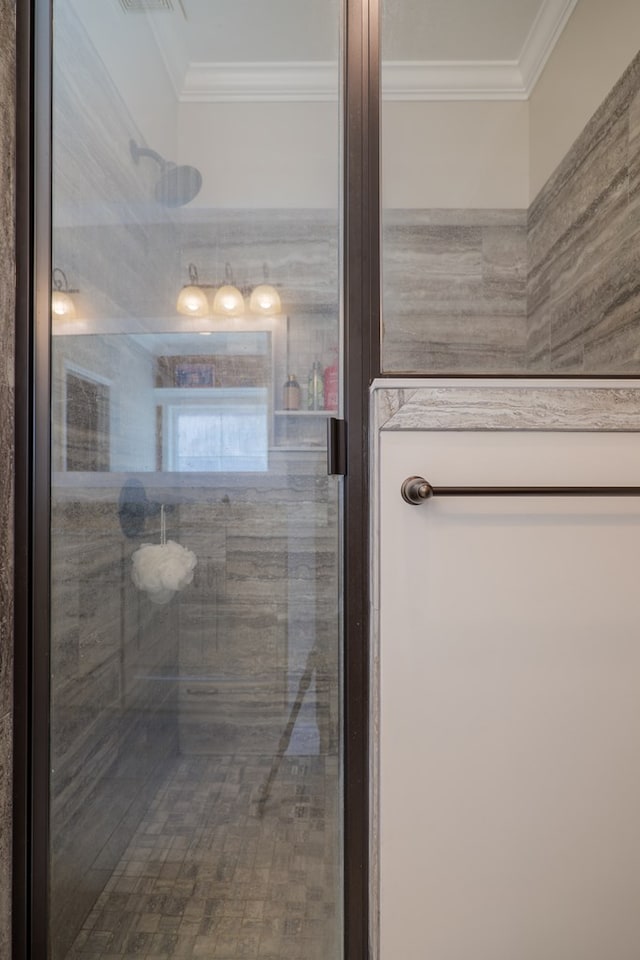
(265, 299)
(192, 300)
(62, 305)
(228, 301)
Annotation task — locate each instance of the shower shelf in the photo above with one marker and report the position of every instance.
(304, 413)
(300, 430)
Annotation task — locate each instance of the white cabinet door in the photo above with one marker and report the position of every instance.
(509, 702)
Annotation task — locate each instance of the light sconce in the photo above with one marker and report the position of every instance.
(62, 305)
(195, 298)
(228, 301)
(265, 299)
(192, 300)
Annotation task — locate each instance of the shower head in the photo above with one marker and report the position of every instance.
(177, 185)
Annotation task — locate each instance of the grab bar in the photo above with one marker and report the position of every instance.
(415, 490)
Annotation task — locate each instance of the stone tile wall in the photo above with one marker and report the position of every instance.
(265, 595)
(584, 249)
(7, 287)
(454, 291)
(114, 656)
(114, 664)
(114, 241)
(214, 672)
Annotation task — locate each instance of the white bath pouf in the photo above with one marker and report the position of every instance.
(162, 569)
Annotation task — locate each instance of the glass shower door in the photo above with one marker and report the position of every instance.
(195, 789)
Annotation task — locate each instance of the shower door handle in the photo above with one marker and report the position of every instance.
(415, 490)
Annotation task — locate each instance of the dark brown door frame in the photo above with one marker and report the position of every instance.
(32, 444)
(362, 365)
(32, 462)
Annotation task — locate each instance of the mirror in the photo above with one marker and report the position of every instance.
(168, 402)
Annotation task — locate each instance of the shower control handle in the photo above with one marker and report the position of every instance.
(415, 490)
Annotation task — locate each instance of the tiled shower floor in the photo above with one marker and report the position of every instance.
(204, 876)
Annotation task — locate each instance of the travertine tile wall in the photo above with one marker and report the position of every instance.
(266, 585)
(111, 238)
(7, 287)
(114, 698)
(584, 254)
(264, 596)
(114, 657)
(454, 291)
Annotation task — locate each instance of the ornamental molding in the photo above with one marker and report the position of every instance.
(306, 82)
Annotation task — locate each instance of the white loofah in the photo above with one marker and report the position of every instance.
(163, 568)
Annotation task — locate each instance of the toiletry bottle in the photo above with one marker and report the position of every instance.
(291, 393)
(315, 388)
(310, 390)
(331, 384)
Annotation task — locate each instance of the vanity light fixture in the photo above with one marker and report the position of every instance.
(62, 305)
(228, 301)
(192, 299)
(196, 300)
(265, 299)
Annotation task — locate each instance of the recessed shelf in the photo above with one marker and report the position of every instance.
(304, 413)
(299, 448)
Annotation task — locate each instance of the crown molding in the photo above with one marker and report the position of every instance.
(544, 34)
(260, 82)
(293, 81)
(452, 80)
(317, 82)
(309, 82)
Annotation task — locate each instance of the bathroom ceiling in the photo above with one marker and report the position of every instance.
(218, 50)
(245, 30)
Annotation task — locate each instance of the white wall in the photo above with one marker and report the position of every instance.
(127, 47)
(455, 154)
(598, 43)
(287, 154)
(262, 155)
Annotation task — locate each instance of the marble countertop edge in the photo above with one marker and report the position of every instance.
(494, 404)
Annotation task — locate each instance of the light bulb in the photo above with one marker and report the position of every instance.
(228, 301)
(192, 302)
(265, 299)
(62, 306)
